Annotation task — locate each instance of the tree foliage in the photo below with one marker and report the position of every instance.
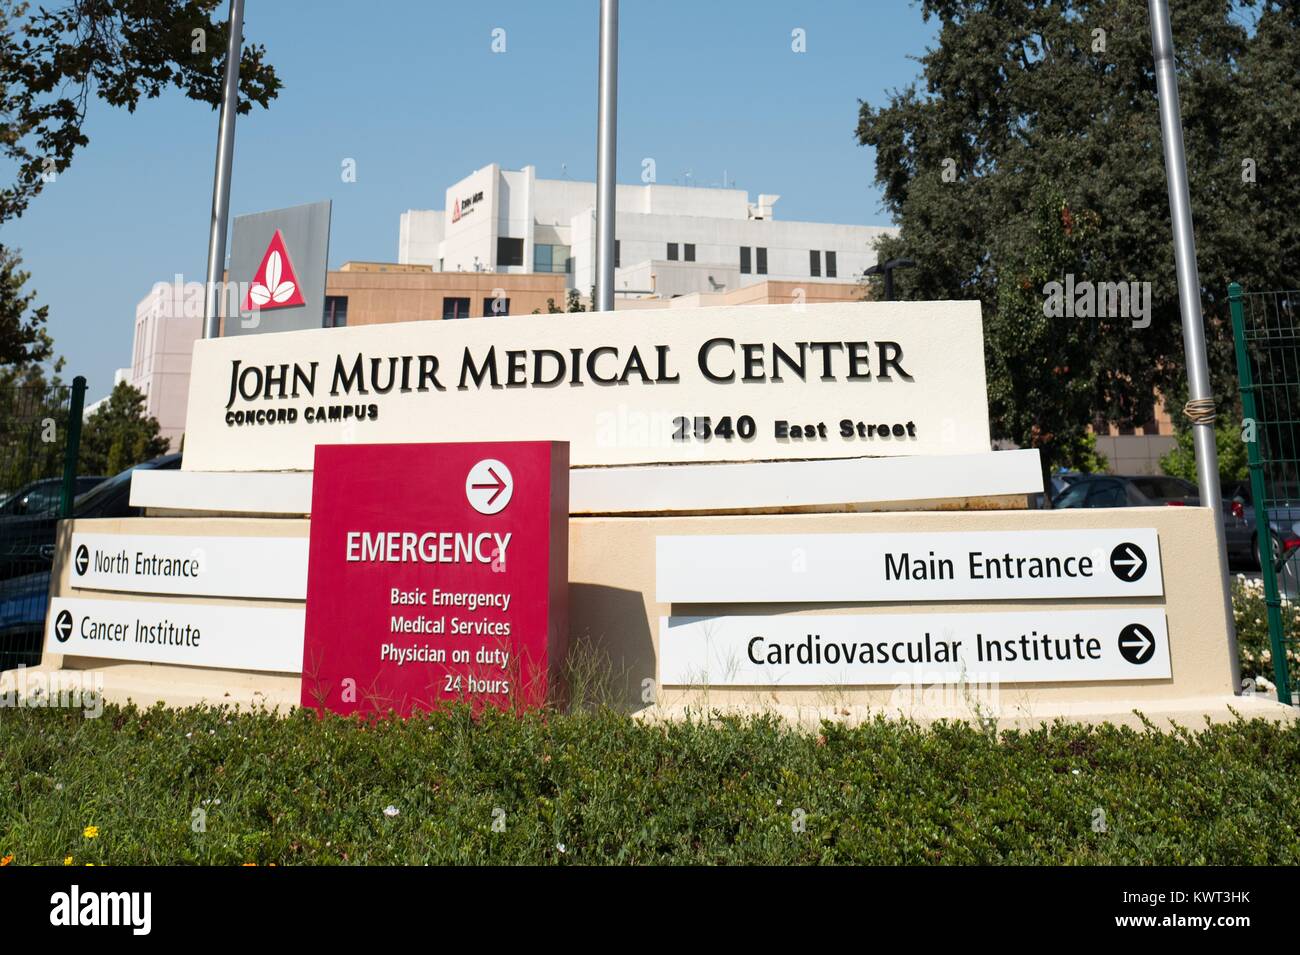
(119, 434)
(23, 337)
(1233, 463)
(33, 418)
(1031, 150)
(53, 62)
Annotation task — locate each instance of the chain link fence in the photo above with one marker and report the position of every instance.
(40, 435)
(1266, 337)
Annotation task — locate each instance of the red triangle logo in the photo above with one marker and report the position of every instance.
(275, 285)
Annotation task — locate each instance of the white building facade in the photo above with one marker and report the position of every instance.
(671, 240)
(167, 324)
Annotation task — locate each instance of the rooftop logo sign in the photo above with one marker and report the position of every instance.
(283, 256)
(275, 285)
(463, 206)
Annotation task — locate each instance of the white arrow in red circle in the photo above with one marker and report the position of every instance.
(489, 486)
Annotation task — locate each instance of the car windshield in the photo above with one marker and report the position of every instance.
(33, 499)
(1073, 495)
(1163, 488)
(109, 488)
(101, 492)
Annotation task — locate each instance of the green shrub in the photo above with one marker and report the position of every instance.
(600, 787)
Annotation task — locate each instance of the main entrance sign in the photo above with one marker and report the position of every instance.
(722, 384)
(951, 566)
(438, 572)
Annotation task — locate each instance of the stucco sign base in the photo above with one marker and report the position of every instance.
(615, 617)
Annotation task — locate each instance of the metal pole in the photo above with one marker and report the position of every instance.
(72, 445)
(1200, 406)
(221, 178)
(606, 151)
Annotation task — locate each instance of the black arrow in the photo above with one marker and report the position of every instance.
(83, 560)
(63, 626)
(1136, 643)
(1128, 562)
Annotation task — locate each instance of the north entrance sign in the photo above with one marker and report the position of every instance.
(437, 573)
(746, 383)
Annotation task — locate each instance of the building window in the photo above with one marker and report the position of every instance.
(618, 255)
(744, 260)
(455, 308)
(815, 263)
(551, 258)
(336, 311)
(762, 261)
(509, 251)
(493, 307)
(672, 251)
(830, 265)
(689, 252)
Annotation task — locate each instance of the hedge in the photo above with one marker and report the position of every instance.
(216, 786)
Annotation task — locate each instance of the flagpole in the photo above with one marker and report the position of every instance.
(1200, 404)
(606, 150)
(221, 177)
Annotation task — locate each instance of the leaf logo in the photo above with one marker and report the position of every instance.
(275, 285)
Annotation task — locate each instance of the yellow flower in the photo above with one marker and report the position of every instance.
(67, 860)
(6, 860)
(90, 832)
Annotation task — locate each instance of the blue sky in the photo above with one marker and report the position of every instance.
(411, 90)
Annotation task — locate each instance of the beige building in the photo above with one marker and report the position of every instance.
(160, 357)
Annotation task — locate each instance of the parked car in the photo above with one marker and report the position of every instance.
(1283, 518)
(1145, 490)
(27, 542)
(1056, 483)
(1115, 490)
(43, 496)
(27, 554)
(23, 604)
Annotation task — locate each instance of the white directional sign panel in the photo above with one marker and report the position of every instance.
(932, 566)
(1068, 646)
(237, 638)
(268, 567)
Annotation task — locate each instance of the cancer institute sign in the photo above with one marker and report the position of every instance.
(438, 573)
(723, 384)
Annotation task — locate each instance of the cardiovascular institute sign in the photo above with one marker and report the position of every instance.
(723, 384)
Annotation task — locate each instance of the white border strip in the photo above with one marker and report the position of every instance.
(662, 489)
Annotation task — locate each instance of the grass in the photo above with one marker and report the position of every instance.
(209, 785)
